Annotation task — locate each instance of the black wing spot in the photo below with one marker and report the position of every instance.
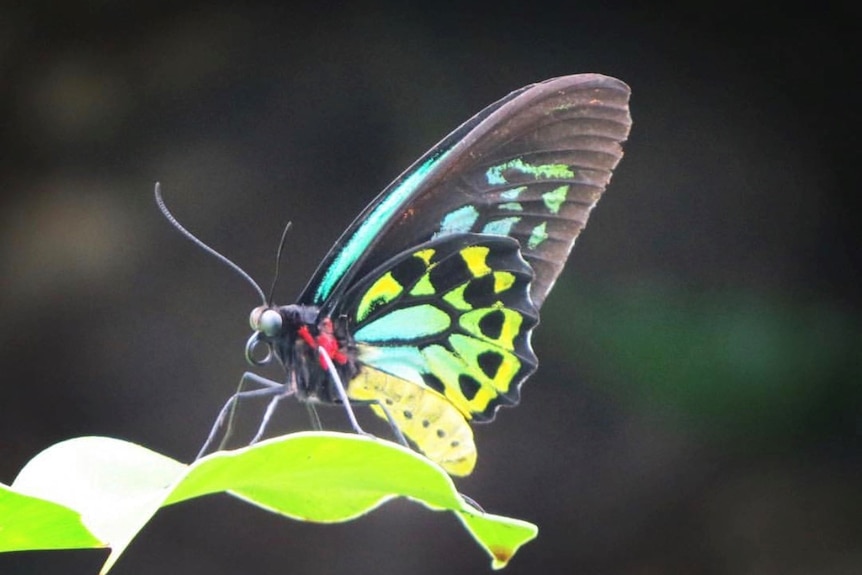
(491, 324)
(433, 382)
(409, 271)
(469, 386)
(426, 423)
(448, 273)
(480, 291)
(441, 433)
(490, 362)
(408, 414)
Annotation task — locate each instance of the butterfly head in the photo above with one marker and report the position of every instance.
(274, 327)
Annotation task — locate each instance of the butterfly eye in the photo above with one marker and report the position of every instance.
(270, 323)
(265, 320)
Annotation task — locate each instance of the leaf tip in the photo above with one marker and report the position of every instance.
(500, 556)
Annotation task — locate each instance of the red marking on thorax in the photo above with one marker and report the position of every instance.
(326, 340)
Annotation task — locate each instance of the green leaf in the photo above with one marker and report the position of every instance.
(500, 536)
(32, 523)
(117, 486)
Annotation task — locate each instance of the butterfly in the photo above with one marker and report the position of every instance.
(424, 307)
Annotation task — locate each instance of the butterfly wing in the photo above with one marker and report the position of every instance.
(443, 334)
(530, 166)
(442, 275)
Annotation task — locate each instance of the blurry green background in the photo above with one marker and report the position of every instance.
(698, 407)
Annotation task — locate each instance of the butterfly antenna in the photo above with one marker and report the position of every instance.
(278, 260)
(173, 221)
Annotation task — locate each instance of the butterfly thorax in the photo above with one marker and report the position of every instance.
(296, 335)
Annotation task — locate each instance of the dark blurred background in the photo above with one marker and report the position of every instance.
(699, 405)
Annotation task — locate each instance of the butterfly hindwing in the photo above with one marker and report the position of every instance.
(453, 315)
(443, 336)
(531, 166)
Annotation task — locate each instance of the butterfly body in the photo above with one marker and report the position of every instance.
(425, 306)
(301, 332)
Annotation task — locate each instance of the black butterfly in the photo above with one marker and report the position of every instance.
(425, 306)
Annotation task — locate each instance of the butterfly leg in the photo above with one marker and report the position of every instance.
(471, 502)
(268, 387)
(315, 418)
(389, 419)
(342, 394)
(270, 409)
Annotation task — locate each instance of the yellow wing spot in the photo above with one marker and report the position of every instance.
(503, 281)
(474, 257)
(483, 397)
(383, 291)
(425, 418)
(511, 328)
(425, 255)
(507, 372)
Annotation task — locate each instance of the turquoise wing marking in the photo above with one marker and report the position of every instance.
(371, 225)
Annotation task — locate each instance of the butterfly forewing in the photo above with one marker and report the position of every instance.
(530, 166)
